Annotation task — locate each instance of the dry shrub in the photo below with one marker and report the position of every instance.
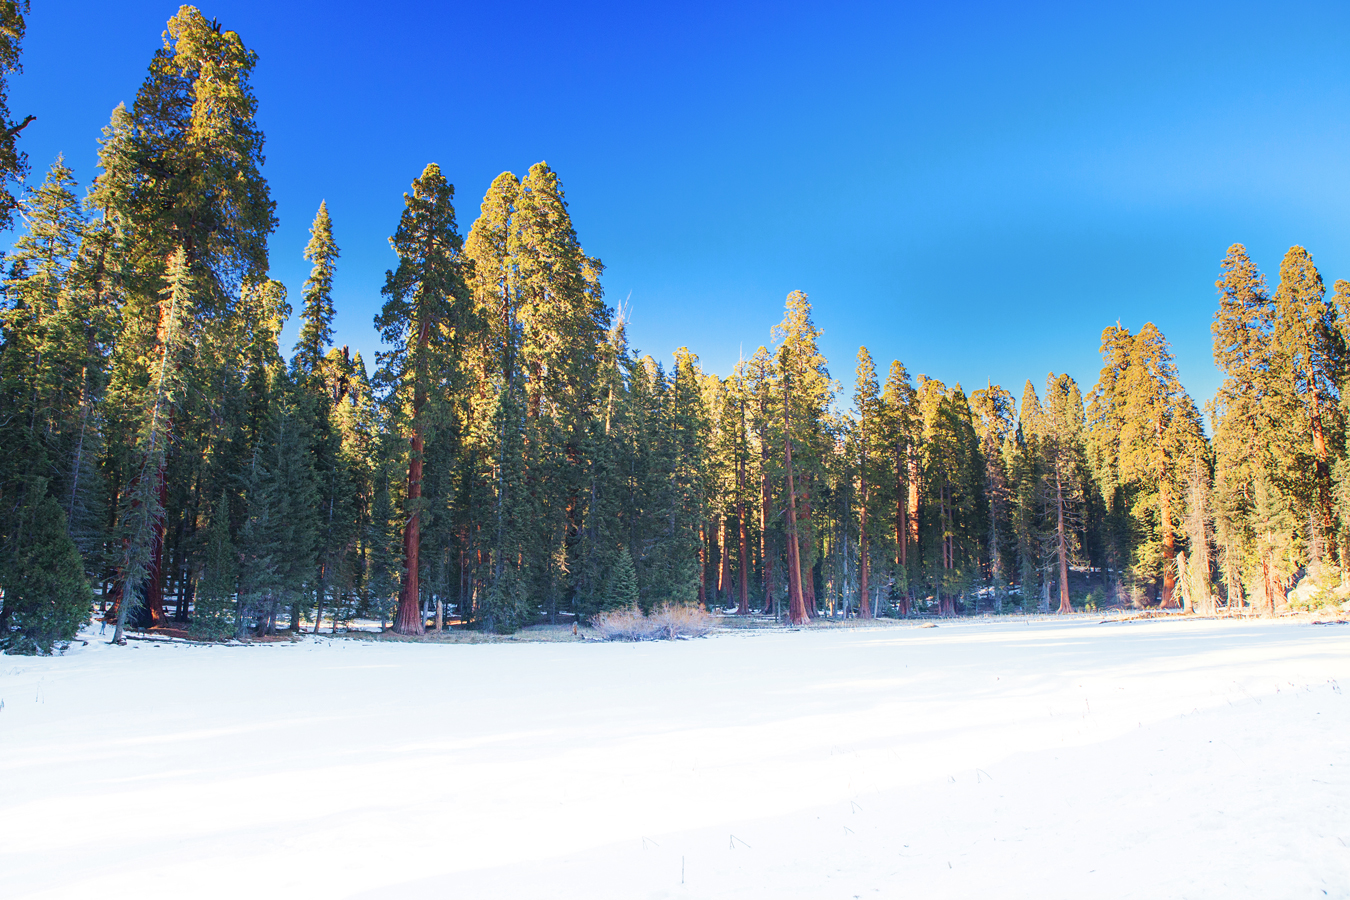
(665, 624)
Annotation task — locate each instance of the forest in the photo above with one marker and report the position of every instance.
(510, 458)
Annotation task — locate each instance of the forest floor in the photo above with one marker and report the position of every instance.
(1000, 757)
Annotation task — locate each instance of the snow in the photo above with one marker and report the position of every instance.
(1008, 758)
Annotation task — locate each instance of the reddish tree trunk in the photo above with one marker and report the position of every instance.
(1169, 546)
(809, 581)
(1322, 470)
(409, 619)
(724, 573)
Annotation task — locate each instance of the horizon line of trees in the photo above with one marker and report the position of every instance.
(512, 456)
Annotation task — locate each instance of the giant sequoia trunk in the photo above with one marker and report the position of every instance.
(809, 584)
(409, 619)
(1322, 469)
(1169, 543)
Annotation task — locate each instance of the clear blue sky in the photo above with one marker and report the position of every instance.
(976, 189)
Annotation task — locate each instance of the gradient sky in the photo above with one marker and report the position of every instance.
(975, 189)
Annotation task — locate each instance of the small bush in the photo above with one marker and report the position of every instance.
(1320, 590)
(664, 624)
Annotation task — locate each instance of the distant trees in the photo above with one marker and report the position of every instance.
(514, 458)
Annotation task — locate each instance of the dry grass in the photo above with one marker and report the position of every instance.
(665, 624)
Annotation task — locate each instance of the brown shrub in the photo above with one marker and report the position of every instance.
(664, 624)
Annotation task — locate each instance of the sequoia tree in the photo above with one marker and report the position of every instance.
(425, 317)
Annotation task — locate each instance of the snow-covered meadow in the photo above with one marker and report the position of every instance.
(1006, 758)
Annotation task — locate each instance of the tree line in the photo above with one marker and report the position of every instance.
(511, 456)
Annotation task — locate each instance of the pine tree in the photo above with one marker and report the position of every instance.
(994, 407)
(621, 587)
(13, 161)
(44, 595)
(181, 179)
(1145, 430)
(316, 330)
(1063, 487)
(1306, 361)
(212, 614)
(903, 438)
(867, 403)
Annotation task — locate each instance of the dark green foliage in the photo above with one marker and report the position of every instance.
(621, 586)
(45, 594)
(213, 615)
(13, 162)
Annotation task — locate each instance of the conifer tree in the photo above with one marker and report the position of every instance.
(1306, 361)
(212, 615)
(425, 317)
(13, 161)
(182, 180)
(866, 402)
(993, 407)
(903, 440)
(316, 315)
(44, 594)
(1064, 464)
(1145, 431)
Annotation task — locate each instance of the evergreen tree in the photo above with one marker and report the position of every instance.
(1146, 431)
(867, 404)
(212, 614)
(44, 594)
(316, 330)
(182, 184)
(425, 317)
(1063, 487)
(903, 439)
(13, 161)
(994, 407)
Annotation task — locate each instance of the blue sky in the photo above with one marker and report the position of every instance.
(975, 189)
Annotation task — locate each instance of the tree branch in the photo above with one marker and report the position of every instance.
(10, 132)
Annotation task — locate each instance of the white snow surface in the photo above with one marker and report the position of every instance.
(995, 758)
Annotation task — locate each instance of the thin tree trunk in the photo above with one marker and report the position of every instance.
(702, 566)
(724, 574)
(796, 608)
(743, 601)
(912, 514)
(765, 500)
(318, 602)
(1061, 547)
(864, 562)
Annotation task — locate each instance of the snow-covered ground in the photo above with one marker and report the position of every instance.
(1006, 758)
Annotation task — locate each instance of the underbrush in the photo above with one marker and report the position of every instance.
(1320, 590)
(665, 624)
